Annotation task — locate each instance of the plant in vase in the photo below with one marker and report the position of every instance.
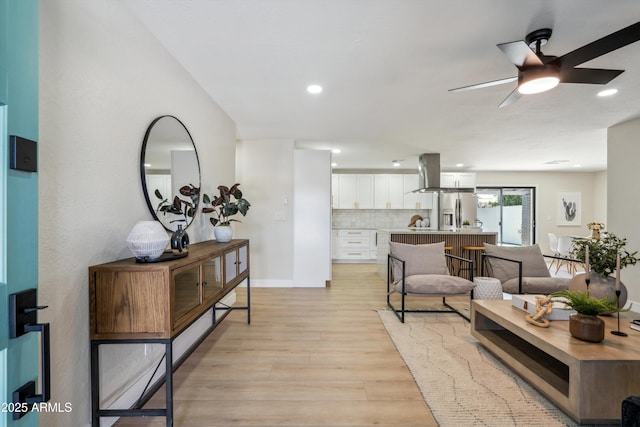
(595, 228)
(585, 324)
(228, 203)
(601, 264)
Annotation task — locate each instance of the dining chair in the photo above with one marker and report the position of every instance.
(553, 245)
(565, 243)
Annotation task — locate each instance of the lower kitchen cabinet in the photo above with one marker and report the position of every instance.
(132, 302)
(354, 245)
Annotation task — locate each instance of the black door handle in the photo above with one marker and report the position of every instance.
(23, 318)
(45, 347)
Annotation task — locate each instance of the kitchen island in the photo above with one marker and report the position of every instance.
(416, 236)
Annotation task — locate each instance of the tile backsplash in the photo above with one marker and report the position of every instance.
(375, 218)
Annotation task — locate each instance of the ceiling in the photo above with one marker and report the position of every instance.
(386, 67)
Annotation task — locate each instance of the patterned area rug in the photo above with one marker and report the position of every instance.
(462, 383)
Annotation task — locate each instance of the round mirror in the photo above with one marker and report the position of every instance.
(170, 173)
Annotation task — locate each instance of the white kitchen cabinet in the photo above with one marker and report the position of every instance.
(373, 244)
(355, 191)
(457, 180)
(335, 191)
(415, 200)
(335, 244)
(388, 192)
(355, 245)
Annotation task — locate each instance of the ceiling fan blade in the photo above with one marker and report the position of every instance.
(485, 84)
(588, 75)
(520, 54)
(513, 97)
(600, 47)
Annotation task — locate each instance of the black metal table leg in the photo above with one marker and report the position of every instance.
(169, 382)
(95, 384)
(248, 300)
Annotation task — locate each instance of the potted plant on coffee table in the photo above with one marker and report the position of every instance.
(603, 254)
(585, 324)
(228, 203)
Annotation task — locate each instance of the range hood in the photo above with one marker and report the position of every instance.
(429, 176)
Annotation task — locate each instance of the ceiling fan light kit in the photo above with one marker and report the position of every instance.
(538, 72)
(539, 79)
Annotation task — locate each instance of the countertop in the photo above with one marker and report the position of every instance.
(432, 231)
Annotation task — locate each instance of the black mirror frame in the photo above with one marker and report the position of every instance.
(143, 177)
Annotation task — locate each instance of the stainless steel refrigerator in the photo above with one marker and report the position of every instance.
(455, 208)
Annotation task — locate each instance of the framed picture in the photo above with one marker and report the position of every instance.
(569, 209)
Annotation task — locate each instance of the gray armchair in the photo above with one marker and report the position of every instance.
(521, 269)
(425, 271)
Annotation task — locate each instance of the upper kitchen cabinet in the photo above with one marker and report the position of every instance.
(457, 180)
(415, 200)
(389, 189)
(335, 190)
(354, 191)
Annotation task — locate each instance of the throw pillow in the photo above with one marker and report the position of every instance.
(533, 264)
(419, 259)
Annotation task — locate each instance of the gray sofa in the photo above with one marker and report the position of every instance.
(521, 269)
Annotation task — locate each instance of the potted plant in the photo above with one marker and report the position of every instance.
(603, 255)
(228, 203)
(585, 324)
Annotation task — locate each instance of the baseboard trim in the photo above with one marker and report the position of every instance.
(271, 283)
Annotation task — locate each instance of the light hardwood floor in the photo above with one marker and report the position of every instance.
(311, 357)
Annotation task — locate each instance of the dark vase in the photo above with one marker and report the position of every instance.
(586, 327)
(180, 240)
(599, 287)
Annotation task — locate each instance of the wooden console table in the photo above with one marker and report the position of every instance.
(586, 380)
(133, 302)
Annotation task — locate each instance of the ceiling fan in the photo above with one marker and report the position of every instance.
(538, 72)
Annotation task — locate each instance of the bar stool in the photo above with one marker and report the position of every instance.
(474, 253)
(448, 249)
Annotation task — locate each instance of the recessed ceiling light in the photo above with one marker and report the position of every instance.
(333, 165)
(314, 89)
(577, 166)
(459, 165)
(396, 164)
(335, 151)
(147, 165)
(608, 92)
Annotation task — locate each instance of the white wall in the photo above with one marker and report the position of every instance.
(548, 185)
(623, 152)
(600, 197)
(265, 174)
(312, 217)
(103, 79)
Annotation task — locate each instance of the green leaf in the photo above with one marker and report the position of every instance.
(205, 199)
(243, 206)
(158, 194)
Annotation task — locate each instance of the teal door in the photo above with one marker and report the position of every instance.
(18, 197)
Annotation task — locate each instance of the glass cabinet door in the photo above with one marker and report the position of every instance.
(212, 283)
(186, 284)
(243, 261)
(230, 266)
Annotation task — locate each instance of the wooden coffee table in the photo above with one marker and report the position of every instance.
(586, 380)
